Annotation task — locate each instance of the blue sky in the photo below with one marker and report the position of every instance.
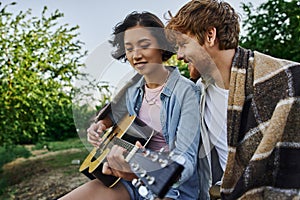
(96, 18)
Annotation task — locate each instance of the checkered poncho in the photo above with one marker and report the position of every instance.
(263, 128)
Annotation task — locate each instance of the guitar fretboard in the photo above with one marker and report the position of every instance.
(122, 143)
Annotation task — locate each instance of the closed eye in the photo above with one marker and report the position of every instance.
(145, 46)
(129, 49)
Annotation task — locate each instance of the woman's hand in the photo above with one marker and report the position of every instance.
(95, 131)
(116, 164)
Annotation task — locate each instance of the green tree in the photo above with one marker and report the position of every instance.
(182, 66)
(273, 28)
(39, 61)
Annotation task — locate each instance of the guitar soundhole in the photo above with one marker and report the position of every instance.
(133, 140)
(125, 134)
(98, 153)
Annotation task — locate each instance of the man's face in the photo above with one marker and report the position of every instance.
(194, 74)
(192, 52)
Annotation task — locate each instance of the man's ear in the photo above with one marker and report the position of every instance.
(211, 36)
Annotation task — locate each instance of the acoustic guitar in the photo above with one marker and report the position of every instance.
(157, 171)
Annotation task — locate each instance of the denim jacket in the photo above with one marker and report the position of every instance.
(180, 121)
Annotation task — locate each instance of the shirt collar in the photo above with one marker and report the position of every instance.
(170, 84)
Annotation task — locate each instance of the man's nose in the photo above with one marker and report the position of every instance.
(180, 54)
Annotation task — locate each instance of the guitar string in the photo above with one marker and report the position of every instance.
(118, 141)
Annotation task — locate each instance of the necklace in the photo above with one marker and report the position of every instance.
(153, 100)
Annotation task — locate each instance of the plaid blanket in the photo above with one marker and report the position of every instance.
(263, 128)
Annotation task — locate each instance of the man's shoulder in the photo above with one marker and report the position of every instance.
(270, 61)
(266, 66)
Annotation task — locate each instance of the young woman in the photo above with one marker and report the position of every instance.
(162, 98)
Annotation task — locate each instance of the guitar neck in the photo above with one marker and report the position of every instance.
(131, 149)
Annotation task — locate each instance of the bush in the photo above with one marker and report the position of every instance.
(60, 124)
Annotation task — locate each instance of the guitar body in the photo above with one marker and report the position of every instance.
(130, 129)
(91, 160)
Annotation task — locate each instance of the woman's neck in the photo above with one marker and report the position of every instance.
(157, 78)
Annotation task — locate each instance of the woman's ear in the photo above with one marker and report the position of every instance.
(211, 36)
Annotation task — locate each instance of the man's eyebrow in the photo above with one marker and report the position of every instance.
(181, 40)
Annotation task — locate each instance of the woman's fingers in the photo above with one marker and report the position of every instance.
(93, 139)
(106, 169)
(138, 144)
(117, 160)
(94, 132)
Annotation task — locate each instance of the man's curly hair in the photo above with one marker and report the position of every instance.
(198, 16)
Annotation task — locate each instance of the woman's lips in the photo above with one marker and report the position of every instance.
(139, 65)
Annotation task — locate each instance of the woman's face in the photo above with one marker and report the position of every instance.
(142, 50)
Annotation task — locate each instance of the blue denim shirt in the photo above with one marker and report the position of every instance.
(180, 121)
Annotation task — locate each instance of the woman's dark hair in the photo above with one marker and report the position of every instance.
(144, 19)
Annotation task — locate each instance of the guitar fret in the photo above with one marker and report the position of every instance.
(122, 143)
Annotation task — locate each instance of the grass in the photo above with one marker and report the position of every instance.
(28, 168)
(60, 145)
(8, 154)
(61, 160)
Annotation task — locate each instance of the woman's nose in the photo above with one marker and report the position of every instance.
(136, 54)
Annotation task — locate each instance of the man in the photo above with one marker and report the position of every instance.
(262, 103)
(217, 133)
(193, 72)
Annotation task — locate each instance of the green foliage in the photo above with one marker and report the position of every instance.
(106, 94)
(182, 66)
(273, 28)
(39, 61)
(83, 116)
(86, 104)
(60, 124)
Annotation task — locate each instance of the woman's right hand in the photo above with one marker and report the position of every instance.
(94, 133)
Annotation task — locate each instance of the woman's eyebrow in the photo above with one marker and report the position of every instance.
(144, 40)
(139, 41)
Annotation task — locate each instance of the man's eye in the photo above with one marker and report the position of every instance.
(180, 45)
(129, 49)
